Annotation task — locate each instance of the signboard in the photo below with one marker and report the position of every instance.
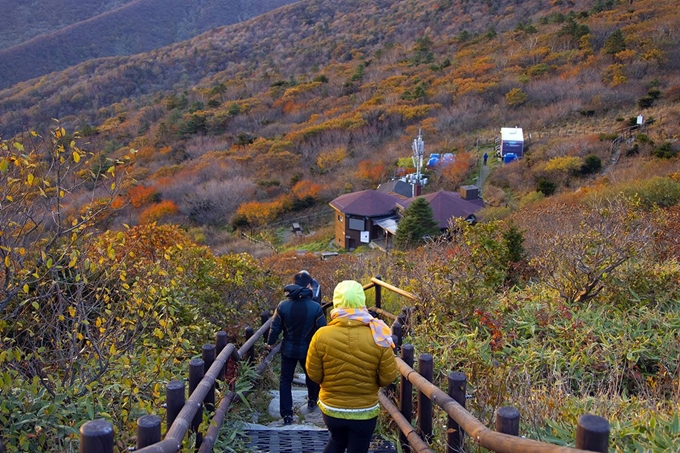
(365, 237)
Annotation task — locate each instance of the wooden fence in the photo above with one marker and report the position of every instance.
(185, 416)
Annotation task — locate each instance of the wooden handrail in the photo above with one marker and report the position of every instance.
(483, 436)
(417, 444)
(176, 433)
(376, 281)
(213, 430)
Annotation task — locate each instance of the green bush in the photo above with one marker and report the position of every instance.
(665, 151)
(592, 164)
(546, 187)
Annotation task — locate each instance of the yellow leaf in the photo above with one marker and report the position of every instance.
(113, 186)
(22, 251)
(76, 156)
(26, 288)
(112, 349)
(30, 179)
(7, 261)
(72, 312)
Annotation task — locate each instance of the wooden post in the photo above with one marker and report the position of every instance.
(250, 355)
(208, 359)
(507, 420)
(457, 389)
(406, 395)
(398, 333)
(264, 317)
(425, 369)
(195, 376)
(96, 436)
(592, 433)
(220, 343)
(174, 400)
(378, 293)
(148, 430)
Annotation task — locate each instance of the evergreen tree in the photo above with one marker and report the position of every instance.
(615, 43)
(418, 222)
(514, 241)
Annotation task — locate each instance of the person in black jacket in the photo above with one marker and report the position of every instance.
(303, 278)
(298, 317)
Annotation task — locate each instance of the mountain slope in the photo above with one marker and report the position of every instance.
(318, 98)
(138, 26)
(27, 19)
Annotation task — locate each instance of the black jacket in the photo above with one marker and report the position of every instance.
(298, 317)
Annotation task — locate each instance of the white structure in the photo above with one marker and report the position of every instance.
(416, 180)
(512, 141)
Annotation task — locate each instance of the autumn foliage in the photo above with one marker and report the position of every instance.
(142, 195)
(158, 212)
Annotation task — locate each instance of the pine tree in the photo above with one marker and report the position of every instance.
(615, 43)
(417, 224)
(514, 241)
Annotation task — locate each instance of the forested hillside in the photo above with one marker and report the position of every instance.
(329, 95)
(67, 33)
(124, 182)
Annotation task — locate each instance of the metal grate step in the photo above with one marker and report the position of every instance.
(300, 441)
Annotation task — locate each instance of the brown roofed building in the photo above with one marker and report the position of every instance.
(446, 205)
(371, 215)
(357, 214)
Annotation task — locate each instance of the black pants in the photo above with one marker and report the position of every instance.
(353, 435)
(286, 383)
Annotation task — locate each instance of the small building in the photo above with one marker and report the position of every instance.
(512, 142)
(447, 205)
(357, 215)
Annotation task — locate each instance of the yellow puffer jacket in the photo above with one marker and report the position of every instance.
(344, 359)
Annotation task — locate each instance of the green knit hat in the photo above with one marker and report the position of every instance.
(349, 294)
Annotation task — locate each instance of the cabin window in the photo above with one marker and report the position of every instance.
(356, 224)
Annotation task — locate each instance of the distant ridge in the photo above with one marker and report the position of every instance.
(136, 27)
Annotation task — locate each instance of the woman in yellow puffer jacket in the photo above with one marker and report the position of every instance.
(351, 358)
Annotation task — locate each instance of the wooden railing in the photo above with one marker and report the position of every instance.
(592, 433)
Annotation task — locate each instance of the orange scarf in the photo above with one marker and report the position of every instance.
(381, 333)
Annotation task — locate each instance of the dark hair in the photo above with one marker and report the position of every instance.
(302, 279)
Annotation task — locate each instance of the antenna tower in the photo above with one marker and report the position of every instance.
(418, 153)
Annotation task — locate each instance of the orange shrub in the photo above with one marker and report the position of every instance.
(260, 213)
(374, 172)
(142, 195)
(306, 188)
(458, 171)
(157, 212)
